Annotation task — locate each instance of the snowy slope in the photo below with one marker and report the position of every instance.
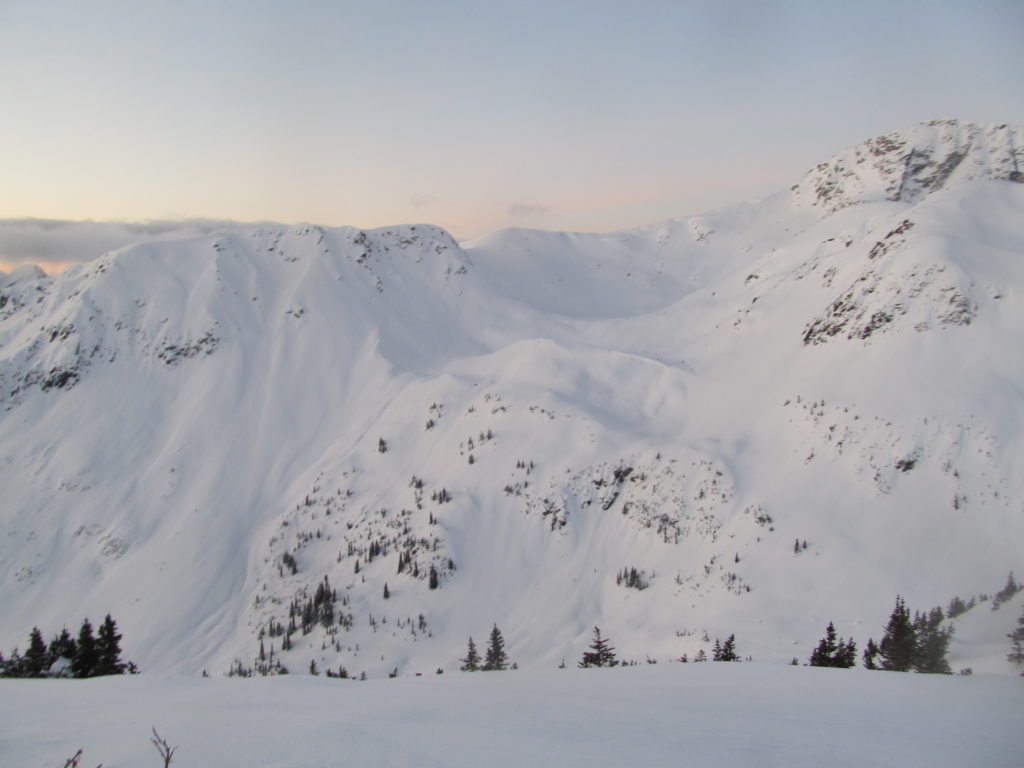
(669, 715)
(526, 415)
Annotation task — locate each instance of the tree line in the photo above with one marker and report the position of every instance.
(919, 643)
(89, 655)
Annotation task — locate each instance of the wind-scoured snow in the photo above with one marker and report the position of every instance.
(525, 416)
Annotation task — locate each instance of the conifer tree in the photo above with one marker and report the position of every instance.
(727, 650)
(34, 663)
(472, 661)
(871, 652)
(956, 607)
(833, 651)
(1016, 654)
(84, 663)
(1007, 592)
(847, 654)
(108, 649)
(62, 647)
(899, 642)
(601, 653)
(932, 643)
(14, 666)
(822, 655)
(495, 659)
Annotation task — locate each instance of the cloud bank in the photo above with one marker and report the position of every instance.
(53, 244)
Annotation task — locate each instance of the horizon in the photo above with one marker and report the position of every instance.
(588, 117)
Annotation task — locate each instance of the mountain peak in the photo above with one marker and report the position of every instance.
(909, 164)
(360, 447)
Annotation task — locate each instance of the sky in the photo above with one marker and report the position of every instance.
(586, 115)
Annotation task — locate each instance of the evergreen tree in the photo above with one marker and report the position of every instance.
(833, 651)
(472, 661)
(1007, 592)
(956, 607)
(34, 663)
(726, 651)
(1016, 654)
(932, 643)
(495, 659)
(62, 647)
(108, 649)
(86, 657)
(899, 644)
(871, 654)
(14, 666)
(822, 655)
(601, 653)
(847, 655)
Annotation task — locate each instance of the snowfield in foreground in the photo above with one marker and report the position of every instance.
(666, 715)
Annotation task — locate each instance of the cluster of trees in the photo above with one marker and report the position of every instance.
(725, 651)
(833, 651)
(920, 643)
(90, 655)
(632, 578)
(1016, 654)
(1007, 592)
(318, 609)
(601, 653)
(267, 664)
(495, 659)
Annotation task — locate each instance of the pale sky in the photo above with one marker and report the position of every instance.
(588, 115)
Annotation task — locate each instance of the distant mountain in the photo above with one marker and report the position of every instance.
(749, 422)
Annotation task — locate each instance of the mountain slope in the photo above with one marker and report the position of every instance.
(236, 439)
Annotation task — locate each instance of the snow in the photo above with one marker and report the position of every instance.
(177, 416)
(713, 714)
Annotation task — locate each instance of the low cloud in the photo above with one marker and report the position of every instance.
(525, 210)
(54, 243)
(423, 201)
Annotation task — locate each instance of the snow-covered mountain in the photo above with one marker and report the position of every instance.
(778, 414)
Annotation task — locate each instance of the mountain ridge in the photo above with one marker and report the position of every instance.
(521, 417)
